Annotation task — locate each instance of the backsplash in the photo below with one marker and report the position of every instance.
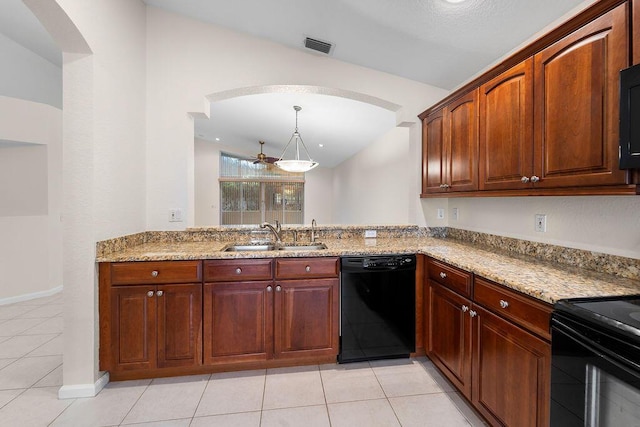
(605, 263)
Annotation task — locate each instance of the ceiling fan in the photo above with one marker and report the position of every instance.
(263, 158)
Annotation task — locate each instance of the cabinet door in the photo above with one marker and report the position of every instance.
(238, 321)
(511, 371)
(306, 318)
(133, 328)
(449, 345)
(506, 129)
(179, 325)
(433, 153)
(461, 136)
(577, 104)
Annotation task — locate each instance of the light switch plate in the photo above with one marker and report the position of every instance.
(440, 213)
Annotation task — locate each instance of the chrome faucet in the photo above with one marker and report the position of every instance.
(275, 230)
(313, 230)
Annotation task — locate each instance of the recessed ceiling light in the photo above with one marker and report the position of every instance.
(320, 145)
(454, 1)
(217, 139)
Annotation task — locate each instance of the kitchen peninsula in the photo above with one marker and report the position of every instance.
(177, 303)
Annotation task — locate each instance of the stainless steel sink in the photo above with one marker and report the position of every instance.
(302, 247)
(274, 247)
(248, 248)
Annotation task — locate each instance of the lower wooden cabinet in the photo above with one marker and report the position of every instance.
(306, 318)
(449, 344)
(156, 326)
(511, 373)
(238, 322)
(296, 318)
(500, 365)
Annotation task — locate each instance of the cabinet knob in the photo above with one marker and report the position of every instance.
(443, 275)
(307, 268)
(278, 288)
(504, 304)
(465, 308)
(445, 186)
(238, 270)
(269, 288)
(524, 179)
(535, 178)
(154, 273)
(159, 293)
(473, 313)
(150, 294)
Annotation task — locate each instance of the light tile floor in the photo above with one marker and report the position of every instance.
(381, 393)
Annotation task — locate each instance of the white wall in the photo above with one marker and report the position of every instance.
(25, 75)
(30, 199)
(372, 187)
(607, 224)
(104, 57)
(188, 60)
(318, 187)
(319, 201)
(206, 188)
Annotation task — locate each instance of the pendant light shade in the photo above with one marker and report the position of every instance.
(296, 164)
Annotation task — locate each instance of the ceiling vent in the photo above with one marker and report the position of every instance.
(318, 45)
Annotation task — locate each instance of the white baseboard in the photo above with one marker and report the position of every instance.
(83, 390)
(33, 295)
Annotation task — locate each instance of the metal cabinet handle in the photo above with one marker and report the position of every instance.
(150, 294)
(269, 288)
(443, 275)
(524, 179)
(473, 313)
(535, 178)
(465, 308)
(159, 293)
(307, 268)
(278, 288)
(154, 273)
(504, 304)
(238, 270)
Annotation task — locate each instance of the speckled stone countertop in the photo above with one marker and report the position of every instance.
(544, 280)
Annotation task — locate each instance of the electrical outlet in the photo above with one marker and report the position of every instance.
(440, 213)
(370, 234)
(175, 215)
(454, 214)
(541, 223)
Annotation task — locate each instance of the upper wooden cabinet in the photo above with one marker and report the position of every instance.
(506, 129)
(577, 105)
(547, 117)
(450, 147)
(433, 153)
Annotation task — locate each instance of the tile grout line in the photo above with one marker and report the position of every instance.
(324, 394)
(195, 411)
(135, 403)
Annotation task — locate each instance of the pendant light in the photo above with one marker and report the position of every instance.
(296, 164)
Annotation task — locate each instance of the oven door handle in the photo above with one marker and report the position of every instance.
(617, 360)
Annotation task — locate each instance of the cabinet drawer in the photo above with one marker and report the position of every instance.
(451, 277)
(143, 272)
(238, 270)
(526, 311)
(298, 268)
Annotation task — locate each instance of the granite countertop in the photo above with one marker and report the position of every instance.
(543, 280)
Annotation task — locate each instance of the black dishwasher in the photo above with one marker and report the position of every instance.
(377, 307)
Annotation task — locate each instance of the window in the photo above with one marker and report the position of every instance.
(254, 193)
